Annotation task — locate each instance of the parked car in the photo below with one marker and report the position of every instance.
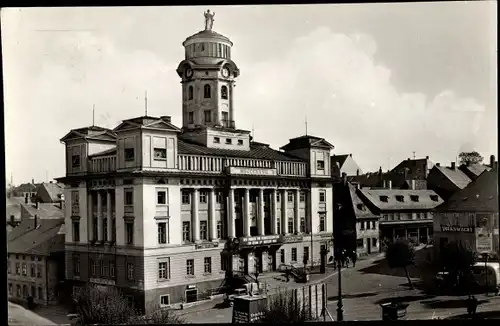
(229, 298)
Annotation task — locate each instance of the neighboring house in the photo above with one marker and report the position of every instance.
(414, 169)
(445, 181)
(405, 213)
(35, 265)
(25, 190)
(43, 211)
(49, 192)
(14, 209)
(344, 164)
(471, 216)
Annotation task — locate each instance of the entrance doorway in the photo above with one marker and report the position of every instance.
(191, 295)
(368, 246)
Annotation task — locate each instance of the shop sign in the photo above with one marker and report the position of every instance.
(457, 228)
(251, 171)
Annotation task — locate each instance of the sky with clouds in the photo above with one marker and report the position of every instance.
(380, 81)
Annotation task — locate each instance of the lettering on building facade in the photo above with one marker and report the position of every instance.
(206, 245)
(251, 171)
(457, 228)
(260, 240)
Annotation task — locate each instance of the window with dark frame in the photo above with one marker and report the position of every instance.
(190, 267)
(320, 164)
(223, 92)
(240, 142)
(130, 271)
(294, 254)
(229, 141)
(32, 270)
(40, 293)
(186, 228)
(76, 231)
(129, 154)
(208, 265)
(38, 271)
(322, 222)
(75, 161)
(322, 196)
(306, 254)
(203, 197)
(129, 233)
(160, 153)
(203, 230)
(186, 197)
(161, 197)
(216, 140)
(207, 91)
(191, 117)
(93, 267)
(290, 225)
(112, 268)
(302, 197)
(362, 225)
(219, 229)
(303, 224)
(289, 196)
(162, 233)
(163, 271)
(165, 300)
(129, 197)
(282, 256)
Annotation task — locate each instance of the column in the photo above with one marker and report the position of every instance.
(296, 211)
(110, 217)
(90, 217)
(274, 212)
(427, 234)
(284, 225)
(211, 215)
(406, 233)
(195, 219)
(231, 227)
(418, 236)
(246, 213)
(260, 217)
(393, 234)
(100, 219)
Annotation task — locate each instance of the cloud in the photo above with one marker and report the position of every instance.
(333, 79)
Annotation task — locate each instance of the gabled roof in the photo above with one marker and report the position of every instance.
(256, 151)
(474, 170)
(360, 209)
(44, 211)
(44, 240)
(457, 177)
(26, 187)
(481, 195)
(424, 199)
(111, 151)
(52, 190)
(307, 142)
(90, 133)
(146, 122)
(340, 159)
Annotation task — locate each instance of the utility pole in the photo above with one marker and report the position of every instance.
(306, 125)
(413, 154)
(93, 115)
(146, 103)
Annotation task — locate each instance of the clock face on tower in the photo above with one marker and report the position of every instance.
(189, 73)
(225, 72)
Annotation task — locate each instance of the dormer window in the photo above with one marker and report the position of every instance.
(207, 116)
(229, 141)
(223, 92)
(384, 199)
(320, 164)
(400, 198)
(216, 140)
(75, 161)
(414, 198)
(240, 141)
(207, 91)
(190, 93)
(434, 198)
(129, 154)
(160, 153)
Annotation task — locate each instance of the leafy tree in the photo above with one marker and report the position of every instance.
(457, 259)
(281, 308)
(96, 306)
(401, 254)
(469, 158)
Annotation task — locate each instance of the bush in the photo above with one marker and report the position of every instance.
(401, 254)
(281, 308)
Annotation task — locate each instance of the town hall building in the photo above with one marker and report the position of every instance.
(151, 207)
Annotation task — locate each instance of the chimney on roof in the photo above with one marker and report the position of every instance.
(350, 155)
(33, 181)
(427, 157)
(492, 161)
(50, 181)
(357, 172)
(12, 219)
(380, 174)
(453, 165)
(36, 221)
(166, 118)
(409, 159)
(413, 184)
(390, 184)
(438, 164)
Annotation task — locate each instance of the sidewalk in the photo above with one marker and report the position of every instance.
(18, 315)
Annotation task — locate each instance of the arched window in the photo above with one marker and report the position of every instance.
(207, 91)
(190, 93)
(223, 92)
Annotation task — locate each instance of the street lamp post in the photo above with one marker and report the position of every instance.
(337, 249)
(340, 311)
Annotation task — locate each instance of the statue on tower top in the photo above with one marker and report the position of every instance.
(209, 20)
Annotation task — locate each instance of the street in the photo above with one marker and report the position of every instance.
(18, 315)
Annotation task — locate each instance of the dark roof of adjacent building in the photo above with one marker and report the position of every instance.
(414, 165)
(474, 169)
(481, 195)
(44, 211)
(26, 187)
(91, 133)
(14, 207)
(52, 190)
(340, 159)
(456, 176)
(411, 199)
(360, 209)
(257, 151)
(307, 141)
(46, 238)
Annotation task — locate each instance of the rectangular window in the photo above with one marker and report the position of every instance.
(10, 288)
(240, 142)
(160, 153)
(75, 161)
(129, 154)
(130, 271)
(322, 196)
(129, 197)
(360, 243)
(216, 140)
(33, 291)
(112, 268)
(190, 267)
(362, 225)
(278, 196)
(302, 196)
(186, 197)
(208, 265)
(104, 268)
(191, 117)
(105, 228)
(294, 254)
(161, 197)
(282, 256)
(164, 300)
(162, 233)
(75, 205)
(129, 233)
(374, 225)
(290, 196)
(229, 141)
(163, 271)
(186, 228)
(306, 255)
(322, 222)
(40, 293)
(225, 119)
(218, 197)
(303, 224)
(76, 266)
(418, 216)
(18, 290)
(207, 115)
(290, 225)
(76, 231)
(38, 271)
(93, 266)
(18, 269)
(219, 229)
(203, 230)
(278, 226)
(25, 269)
(33, 270)
(374, 242)
(320, 164)
(203, 197)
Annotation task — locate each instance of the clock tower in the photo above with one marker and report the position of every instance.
(208, 79)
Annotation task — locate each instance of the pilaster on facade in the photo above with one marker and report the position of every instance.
(246, 212)
(231, 227)
(260, 215)
(109, 217)
(274, 212)
(296, 215)
(195, 215)
(100, 218)
(211, 216)
(90, 218)
(283, 224)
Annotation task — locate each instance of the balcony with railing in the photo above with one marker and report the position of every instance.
(102, 164)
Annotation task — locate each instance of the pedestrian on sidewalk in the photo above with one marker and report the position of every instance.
(354, 258)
